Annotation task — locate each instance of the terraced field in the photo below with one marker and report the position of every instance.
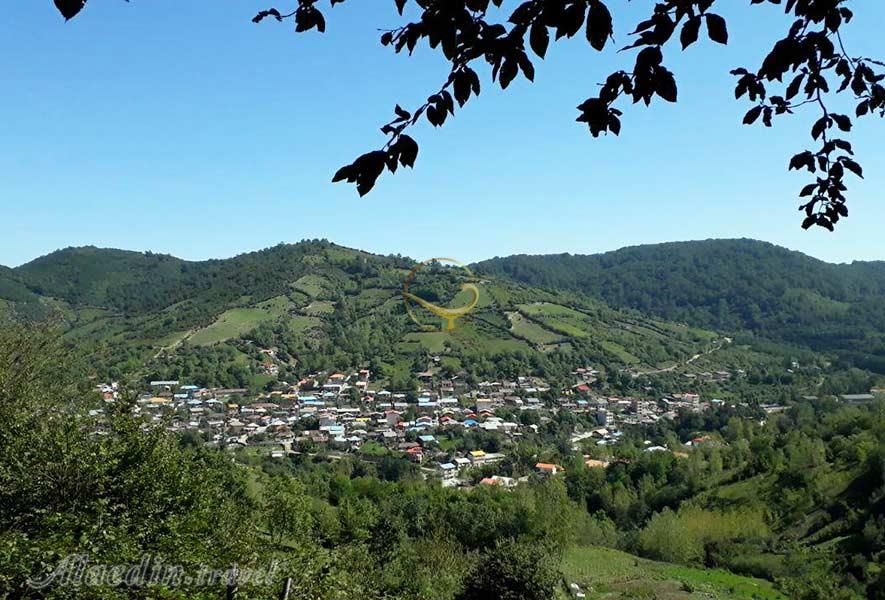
(536, 334)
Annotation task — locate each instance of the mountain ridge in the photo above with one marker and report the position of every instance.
(327, 306)
(92, 247)
(347, 301)
(740, 286)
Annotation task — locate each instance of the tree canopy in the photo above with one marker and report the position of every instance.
(804, 69)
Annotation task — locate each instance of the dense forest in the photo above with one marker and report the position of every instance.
(742, 286)
(136, 283)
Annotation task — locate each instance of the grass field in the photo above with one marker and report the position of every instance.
(300, 324)
(620, 352)
(230, 324)
(609, 574)
(312, 285)
(172, 339)
(476, 336)
(319, 307)
(278, 304)
(373, 297)
(561, 319)
(97, 328)
(550, 309)
(463, 297)
(531, 331)
(432, 340)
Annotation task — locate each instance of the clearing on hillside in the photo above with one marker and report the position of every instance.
(231, 324)
(603, 573)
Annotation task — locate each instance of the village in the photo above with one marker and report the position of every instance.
(341, 414)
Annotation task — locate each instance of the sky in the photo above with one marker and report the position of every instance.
(178, 126)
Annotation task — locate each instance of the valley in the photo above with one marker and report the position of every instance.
(645, 454)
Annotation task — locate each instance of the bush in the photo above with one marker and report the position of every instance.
(512, 571)
(599, 530)
(667, 537)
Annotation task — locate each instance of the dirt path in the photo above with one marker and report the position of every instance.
(717, 345)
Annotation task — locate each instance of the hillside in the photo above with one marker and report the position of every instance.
(324, 307)
(606, 573)
(721, 494)
(739, 286)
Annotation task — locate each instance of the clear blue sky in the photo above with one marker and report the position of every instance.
(178, 126)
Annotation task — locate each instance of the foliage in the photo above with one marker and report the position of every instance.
(689, 535)
(156, 317)
(72, 484)
(796, 500)
(512, 572)
(750, 288)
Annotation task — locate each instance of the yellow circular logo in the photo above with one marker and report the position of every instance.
(447, 314)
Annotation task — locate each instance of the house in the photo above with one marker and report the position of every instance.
(505, 482)
(393, 417)
(461, 462)
(318, 437)
(700, 440)
(857, 398)
(477, 457)
(334, 387)
(449, 470)
(167, 385)
(339, 441)
(415, 454)
(548, 469)
(484, 405)
(333, 430)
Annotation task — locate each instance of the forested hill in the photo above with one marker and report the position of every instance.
(323, 307)
(11, 287)
(731, 285)
(137, 283)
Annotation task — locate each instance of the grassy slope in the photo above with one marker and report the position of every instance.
(609, 574)
(231, 324)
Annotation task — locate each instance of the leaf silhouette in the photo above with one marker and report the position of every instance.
(69, 8)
